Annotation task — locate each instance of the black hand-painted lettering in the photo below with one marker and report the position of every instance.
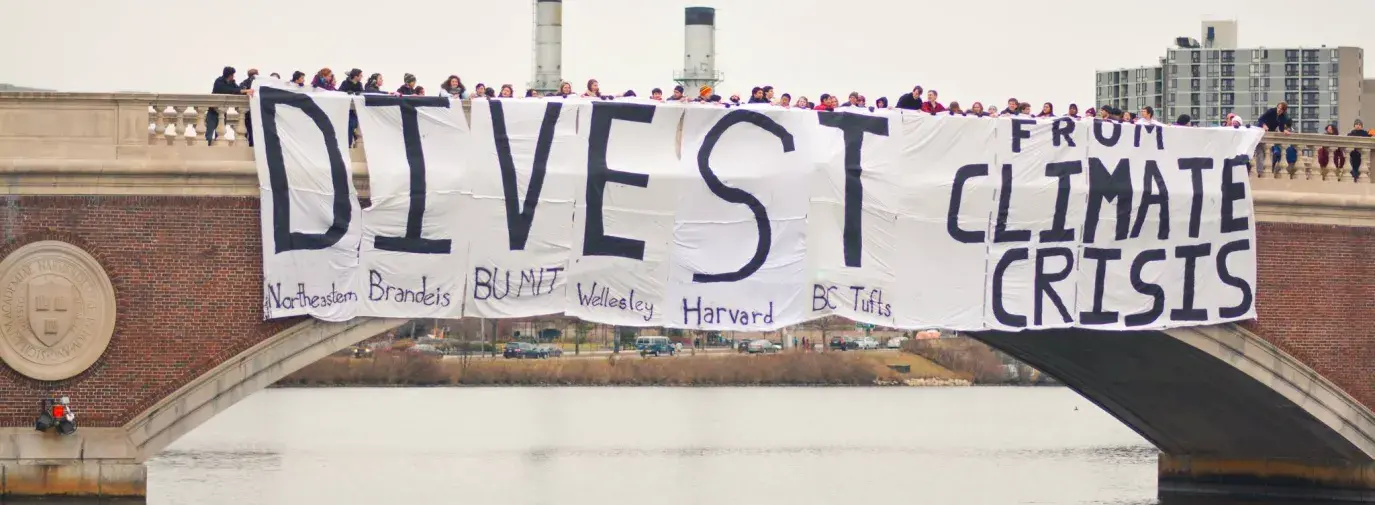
(1107, 141)
(1000, 232)
(1150, 289)
(1113, 186)
(1153, 192)
(595, 240)
(952, 217)
(1159, 132)
(1231, 280)
(740, 196)
(412, 242)
(854, 127)
(1232, 191)
(285, 240)
(1191, 254)
(1045, 281)
(1063, 128)
(1061, 170)
(1196, 166)
(999, 311)
(1020, 132)
(1099, 316)
(521, 214)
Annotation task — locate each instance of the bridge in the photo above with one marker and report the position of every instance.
(125, 187)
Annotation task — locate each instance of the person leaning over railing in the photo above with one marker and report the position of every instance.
(1357, 130)
(225, 85)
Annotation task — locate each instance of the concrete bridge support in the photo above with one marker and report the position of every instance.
(1231, 412)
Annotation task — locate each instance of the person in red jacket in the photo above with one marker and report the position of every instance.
(931, 106)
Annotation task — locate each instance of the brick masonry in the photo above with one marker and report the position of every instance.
(1316, 300)
(186, 273)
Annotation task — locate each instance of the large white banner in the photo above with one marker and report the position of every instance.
(524, 170)
(310, 215)
(749, 218)
(412, 252)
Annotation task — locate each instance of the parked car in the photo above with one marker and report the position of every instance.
(762, 346)
(550, 351)
(863, 343)
(840, 344)
(654, 345)
(521, 350)
(896, 342)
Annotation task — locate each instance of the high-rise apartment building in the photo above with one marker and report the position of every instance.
(1210, 80)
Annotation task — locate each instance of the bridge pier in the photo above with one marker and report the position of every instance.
(93, 462)
(1266, 478)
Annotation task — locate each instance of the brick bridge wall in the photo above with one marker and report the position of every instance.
(186, 276)
(1316, 300)
(186, 271)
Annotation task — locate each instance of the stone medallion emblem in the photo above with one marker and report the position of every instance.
(57, 310)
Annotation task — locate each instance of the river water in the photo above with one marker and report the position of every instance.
(605, 446)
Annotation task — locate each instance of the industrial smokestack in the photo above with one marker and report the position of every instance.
(699, 50)
(548, 46)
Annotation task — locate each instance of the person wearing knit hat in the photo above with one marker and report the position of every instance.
(704, 91)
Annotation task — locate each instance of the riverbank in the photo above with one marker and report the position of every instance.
(786, 369)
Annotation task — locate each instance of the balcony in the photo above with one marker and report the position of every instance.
(153, 144)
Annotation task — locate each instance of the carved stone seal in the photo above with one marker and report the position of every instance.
(57, 310)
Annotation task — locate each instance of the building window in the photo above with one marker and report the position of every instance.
(1334, 68)
(1310, 98)
(1291, 83)
(1212, 111)
(1212, 70)
(1291, 70)
(1194, 112)
(1309, 127)
(1260, 54)
(1227, 85)
(1335, 113)
(1332, 82)
(1194, 56)
(1291, 96)
(1228, 99)
(1310, 55)
(1226, 111)
(1172, 55)
(1310, 84)
(1291, 55)
(1194, 99)
(1260, 97)
(1212, 97)
(1193, 69)
(1310, 69)
(1195, 84)
(1212, 55)
(1229, 70)
(1332, 54)
(1157, 102)
(1229, 56)
(1334, 97)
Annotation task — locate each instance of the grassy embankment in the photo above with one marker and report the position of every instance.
(787, 369)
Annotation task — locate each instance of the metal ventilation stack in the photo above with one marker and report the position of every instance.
(699, 51)
(548, 72)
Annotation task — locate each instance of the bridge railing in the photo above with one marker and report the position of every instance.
(35, 123)
(1314, 157)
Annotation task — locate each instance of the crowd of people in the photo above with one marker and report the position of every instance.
(1275, 119)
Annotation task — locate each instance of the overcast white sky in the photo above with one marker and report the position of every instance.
(970, 50)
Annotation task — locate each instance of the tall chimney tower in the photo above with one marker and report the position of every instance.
(548, 46)
(699, 51)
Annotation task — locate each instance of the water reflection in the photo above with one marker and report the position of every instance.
(598, 446)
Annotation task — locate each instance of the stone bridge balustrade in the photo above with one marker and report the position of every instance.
(1308, 164)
